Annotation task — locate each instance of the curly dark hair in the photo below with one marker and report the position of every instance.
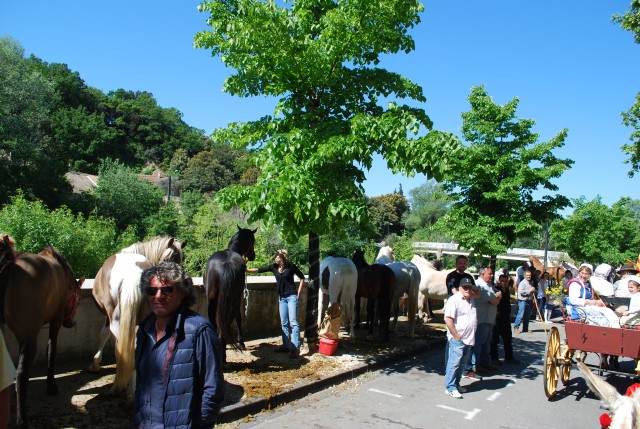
(172, 274)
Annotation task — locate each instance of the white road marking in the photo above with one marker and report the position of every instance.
(385, 393)
(494, 396)
(469, 415)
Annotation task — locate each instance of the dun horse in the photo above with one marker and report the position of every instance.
(555, 272)
(35, 289)
(224, 282)
(116, 290)
(377, 284)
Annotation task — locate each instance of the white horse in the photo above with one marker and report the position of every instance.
(432, 285)
(625, 410)
(407, 284)
(339, 281)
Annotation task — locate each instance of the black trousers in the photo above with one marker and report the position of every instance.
(502, 329)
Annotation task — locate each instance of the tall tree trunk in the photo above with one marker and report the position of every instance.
(311, 318)
(492, 262)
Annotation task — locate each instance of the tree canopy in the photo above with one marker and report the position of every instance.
(596, 233)
(496, 179)
(329, 122)
(630, 21)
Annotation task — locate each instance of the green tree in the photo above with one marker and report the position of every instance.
(328, 121)
(206, 174)
(630, 21)
(85, 242)
(386, 212)
(596, 233)
(120, 195)
(495, 178)
(29, 160)
(428, 203)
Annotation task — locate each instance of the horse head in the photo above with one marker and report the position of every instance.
(625, 410)
(7, 254)
(71, 306)
(358, 259)
(243, 243)
(174, 251)
(386, 252)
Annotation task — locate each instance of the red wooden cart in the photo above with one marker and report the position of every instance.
(582, 337)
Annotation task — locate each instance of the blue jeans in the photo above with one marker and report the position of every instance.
(289, 321)
(524, 312)
(482, 348)
(456, 359)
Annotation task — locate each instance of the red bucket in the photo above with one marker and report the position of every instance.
(328, 346)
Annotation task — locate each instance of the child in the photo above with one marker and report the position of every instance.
(632, 317)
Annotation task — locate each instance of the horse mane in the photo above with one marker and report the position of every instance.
(155, 249)
(7, 252)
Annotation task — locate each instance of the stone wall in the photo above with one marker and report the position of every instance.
(261, 319)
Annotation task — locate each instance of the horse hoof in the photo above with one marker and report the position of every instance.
(93, 369)
(369, 337)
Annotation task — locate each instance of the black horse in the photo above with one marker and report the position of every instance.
(224, 282)
(376, 283)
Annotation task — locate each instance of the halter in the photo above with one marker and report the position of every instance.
(74, 302)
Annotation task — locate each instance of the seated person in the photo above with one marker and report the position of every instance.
(632, 316)
(582, 304)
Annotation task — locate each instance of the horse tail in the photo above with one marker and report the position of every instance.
(129, 303)
(231, 288)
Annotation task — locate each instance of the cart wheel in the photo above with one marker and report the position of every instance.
(565, 372)
(551, 370)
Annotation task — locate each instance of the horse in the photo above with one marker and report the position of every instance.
(625, 409)
(35, 289)
(224, 282)
(433, 285)
(407, 284)
(555, 272)
(339, 281)
(116, 292)
(377, 284)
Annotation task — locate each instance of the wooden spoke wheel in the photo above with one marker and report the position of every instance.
(551, 367)
(565, 373)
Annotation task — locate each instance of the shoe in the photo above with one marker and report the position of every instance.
(512, 361)
(516, 330)
(453, 393)
(281, 349)
(472, 376)
(496, 362)
(294, 354)
(462, 389)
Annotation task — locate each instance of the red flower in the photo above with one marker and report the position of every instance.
(605, 420)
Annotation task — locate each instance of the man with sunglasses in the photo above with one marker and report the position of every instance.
(461, 320)
(179, 379)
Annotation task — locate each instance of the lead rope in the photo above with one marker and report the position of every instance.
(245, 292)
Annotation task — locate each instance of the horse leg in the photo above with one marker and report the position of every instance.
(105, 334)
(396, 309)
(357, 310)
(238, 318)
(52, 351)
(371, 309)
(27, 353)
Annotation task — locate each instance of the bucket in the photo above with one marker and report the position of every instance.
(328, 346)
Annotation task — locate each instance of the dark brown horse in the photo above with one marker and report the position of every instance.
(35, 289)
(224, 282)
(116, 291)
(376, 283)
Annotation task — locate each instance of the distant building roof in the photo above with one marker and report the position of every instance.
(81, 182)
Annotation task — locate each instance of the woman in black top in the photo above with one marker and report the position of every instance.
(288, 295)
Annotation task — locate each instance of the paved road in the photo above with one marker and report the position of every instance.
(410, 394)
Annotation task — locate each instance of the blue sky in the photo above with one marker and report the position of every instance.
(568, 64)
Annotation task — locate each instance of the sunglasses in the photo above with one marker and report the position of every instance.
(165, 290)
